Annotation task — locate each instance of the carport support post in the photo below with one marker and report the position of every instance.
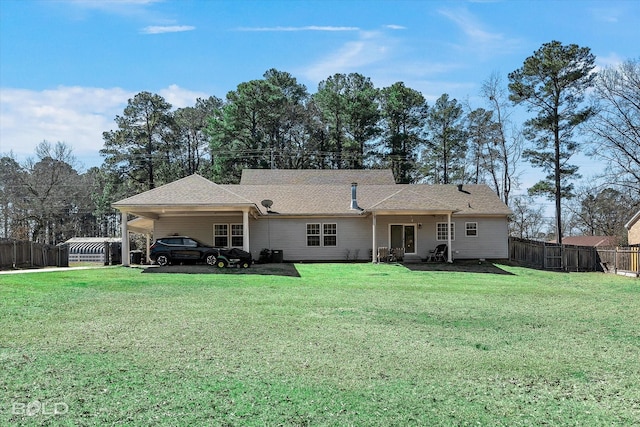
(374, 251)
(125, 240)
(245, 230)
(449, 226)
(148, 248)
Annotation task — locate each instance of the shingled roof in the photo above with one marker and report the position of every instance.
(191, 190)
(595, 241)
(321, 199)
(316, 176)
(336, 199)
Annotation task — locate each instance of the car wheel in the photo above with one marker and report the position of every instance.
(211, 259)
(221, 263)
(162, 260)
(245, 264)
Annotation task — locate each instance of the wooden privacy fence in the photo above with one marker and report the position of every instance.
(621, 260)
(22, 254)
(551, 256)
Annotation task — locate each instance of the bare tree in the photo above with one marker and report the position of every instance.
(504, 150)
(527, 221)
(615, 130)
(49, 185)
(600, 211)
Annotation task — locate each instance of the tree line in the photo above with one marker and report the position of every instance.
(348, 123)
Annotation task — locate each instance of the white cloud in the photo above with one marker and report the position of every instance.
(304, 28)
(110, 4)
(395, 27)
(105, 3)
(370, 48)
(75, 115)
(478, 39)
(179, 97)
(612, 60)
(118, 7)
(608, 15)
(161, 29)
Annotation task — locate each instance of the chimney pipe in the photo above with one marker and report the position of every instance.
(354, 199)
(459, 187)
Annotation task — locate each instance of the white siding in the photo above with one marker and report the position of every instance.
(286, 234)
(290, 236)
(198, 227)
(491, 242)
(354, 235)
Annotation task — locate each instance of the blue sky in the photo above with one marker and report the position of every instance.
(67, 67)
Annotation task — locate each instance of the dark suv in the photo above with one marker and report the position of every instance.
(178, 249)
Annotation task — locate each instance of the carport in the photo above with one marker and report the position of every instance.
(193, 196)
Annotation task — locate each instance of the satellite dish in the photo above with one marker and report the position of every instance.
(267, 203)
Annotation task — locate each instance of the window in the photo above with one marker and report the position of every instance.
(441, 231)
(471, 229)
(190, 243)
(237, 237)
(330, 234)
(221, 236)
(172, 241)
(322, 234)
(313, 234)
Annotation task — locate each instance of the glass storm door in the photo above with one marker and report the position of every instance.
(404, 236)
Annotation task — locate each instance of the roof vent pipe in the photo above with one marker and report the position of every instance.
(459, 187)
(354, 199)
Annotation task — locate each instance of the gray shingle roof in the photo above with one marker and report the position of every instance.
(316, 176)
(336, 199)
(594, 241)
(191, 190)
(323, 199)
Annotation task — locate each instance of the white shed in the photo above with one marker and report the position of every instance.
(92, 249)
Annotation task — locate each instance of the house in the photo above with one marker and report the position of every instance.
(633, 230)
(594, 241)
(324, 215)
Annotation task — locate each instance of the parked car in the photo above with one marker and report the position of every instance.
(184, 249)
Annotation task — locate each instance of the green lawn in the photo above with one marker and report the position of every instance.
(343, 344)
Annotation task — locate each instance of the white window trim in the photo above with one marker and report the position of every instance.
(452, 230)
(307, 235)
(321, 234)
(335, 224)
(466, 230)
(229, 235)
(416, 228)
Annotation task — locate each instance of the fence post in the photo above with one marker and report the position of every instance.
(107, 252)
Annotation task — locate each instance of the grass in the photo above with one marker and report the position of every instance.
(343, 344)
